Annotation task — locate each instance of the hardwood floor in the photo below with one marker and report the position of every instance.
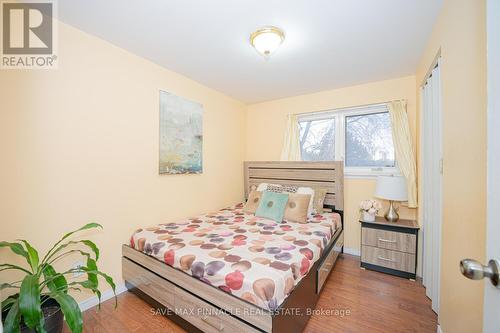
(353, 300)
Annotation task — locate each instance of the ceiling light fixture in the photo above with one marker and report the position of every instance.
(266, 40)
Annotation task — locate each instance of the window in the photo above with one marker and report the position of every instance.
(362, 137)
(368, 141)
(317, 139)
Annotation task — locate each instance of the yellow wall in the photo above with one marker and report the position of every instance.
(265, 126)
(80, 144)
(461, 36)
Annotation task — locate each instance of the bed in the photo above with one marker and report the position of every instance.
(228, 270)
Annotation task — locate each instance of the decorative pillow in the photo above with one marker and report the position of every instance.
(272, 206)
(277, 188)
(274, 188)
(319, 200)
(252, 202)
(289, 188)
(262, 187)
(310, 191)
(296, 208)
(266, 187)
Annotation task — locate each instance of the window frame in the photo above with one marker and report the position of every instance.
(340, 137)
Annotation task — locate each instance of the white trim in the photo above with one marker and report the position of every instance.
(491, 303)
(351, 109)
(439, 330)
(339, 116)
(360, 172)
(354, 252)
(431, 68)
(108, 294)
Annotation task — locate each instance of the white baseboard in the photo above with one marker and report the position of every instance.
(93, 301)
(354, 252)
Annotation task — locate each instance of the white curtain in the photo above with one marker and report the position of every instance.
(291, 141)
(431, 156)
(405, 153)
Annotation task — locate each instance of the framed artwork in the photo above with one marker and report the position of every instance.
(181, 135)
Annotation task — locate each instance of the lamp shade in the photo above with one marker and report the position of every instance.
(391, 188)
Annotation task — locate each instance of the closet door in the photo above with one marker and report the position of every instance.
(431, 153)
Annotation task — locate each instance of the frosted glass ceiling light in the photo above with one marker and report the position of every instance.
(267, 40)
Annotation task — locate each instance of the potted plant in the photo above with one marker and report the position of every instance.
(41, 297)
(369, 209)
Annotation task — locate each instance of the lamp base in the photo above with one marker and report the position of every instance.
(391, 215)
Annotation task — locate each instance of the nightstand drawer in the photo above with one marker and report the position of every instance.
(390, 259)
(390, 240)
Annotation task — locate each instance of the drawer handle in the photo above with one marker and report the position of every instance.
(385, 259)
(387, 240)
(220, 328)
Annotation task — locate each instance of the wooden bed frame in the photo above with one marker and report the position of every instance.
(200, 307)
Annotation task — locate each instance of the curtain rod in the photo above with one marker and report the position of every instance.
(350, 107)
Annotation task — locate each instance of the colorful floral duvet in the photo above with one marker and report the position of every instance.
(253, 258)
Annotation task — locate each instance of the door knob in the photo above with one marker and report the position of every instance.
(474, 270)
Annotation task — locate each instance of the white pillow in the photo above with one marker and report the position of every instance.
(300, 190)
(262, 187)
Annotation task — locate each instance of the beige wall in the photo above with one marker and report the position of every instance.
(265, 126)
(80, 144)
(460, 34)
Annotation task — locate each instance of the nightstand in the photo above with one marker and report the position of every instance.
(390, 247)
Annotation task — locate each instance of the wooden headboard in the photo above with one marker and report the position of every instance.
(329, 175)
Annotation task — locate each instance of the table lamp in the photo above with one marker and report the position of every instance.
(392, 188)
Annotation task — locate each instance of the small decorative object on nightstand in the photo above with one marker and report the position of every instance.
(369, 209)
(390, 247)
(392, 188)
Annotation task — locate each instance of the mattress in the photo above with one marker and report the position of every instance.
(253, 258)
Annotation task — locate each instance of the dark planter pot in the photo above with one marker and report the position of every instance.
(53, 318)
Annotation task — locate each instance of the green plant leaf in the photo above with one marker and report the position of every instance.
(32, 255)
(13, 319)
(16, 248)
(94, 247)
(108, 279)
(91, 268)
(85, 227)
(9, 300)
(87, 284)
(4, 267)
(7, 285)
(92, 278)
(71, 311)
(86, 242)
(29, 302)
(7, 303)
(83, 253)
(55, 281)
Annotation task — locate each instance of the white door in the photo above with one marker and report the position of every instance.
(431, 154)
(491, 321)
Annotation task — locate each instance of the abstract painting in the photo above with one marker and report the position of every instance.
(181, 135)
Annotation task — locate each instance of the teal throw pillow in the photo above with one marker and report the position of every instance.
(272, 206)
